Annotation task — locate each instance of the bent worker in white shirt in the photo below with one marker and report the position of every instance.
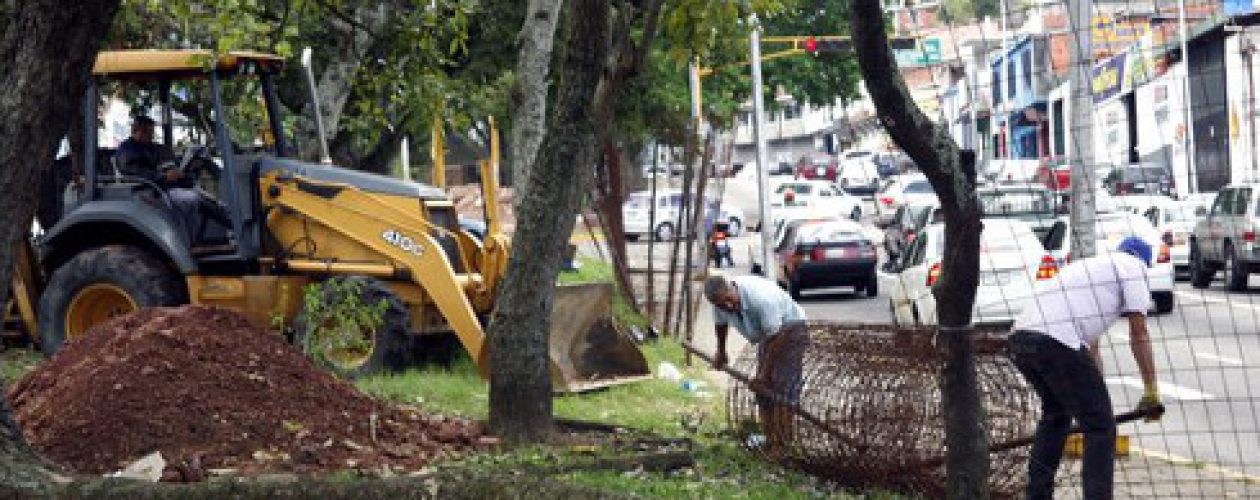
(1055, 346)
(769, 318)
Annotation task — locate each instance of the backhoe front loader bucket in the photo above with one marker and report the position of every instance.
(587, 349)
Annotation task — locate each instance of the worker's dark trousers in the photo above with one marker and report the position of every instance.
(1070, 386)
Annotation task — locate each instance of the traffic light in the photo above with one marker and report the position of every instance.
(815, 45)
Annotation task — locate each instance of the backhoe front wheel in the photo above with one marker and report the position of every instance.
(353, 326)
(100, 284)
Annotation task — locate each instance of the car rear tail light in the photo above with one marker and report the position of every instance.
(1048, 268)
(818, 253)
(867, 251)
(887, 200)
(1249, 236)
(1165, 254)
(934, 274)
(1168, 238)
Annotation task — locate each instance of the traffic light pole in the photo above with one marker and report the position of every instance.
(763, 167)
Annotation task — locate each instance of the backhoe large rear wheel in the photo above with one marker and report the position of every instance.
(354, 326)
(100, 284)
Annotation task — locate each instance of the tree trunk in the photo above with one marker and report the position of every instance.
(47, 48)
(610, 196)
(952, 175)
(528, 94)
(520, 381)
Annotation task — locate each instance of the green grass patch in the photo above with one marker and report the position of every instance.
(652, 405)
(454, 391)
(15, 363)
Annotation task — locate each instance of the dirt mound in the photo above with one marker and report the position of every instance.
(208, 390)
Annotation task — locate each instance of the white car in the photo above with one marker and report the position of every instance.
(1113, 227)
(858, 173)
(819, 198)
(1012, 259)
(637, 217)
(912, 189)
(1175, 222)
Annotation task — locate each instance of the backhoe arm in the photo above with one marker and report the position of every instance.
(398, 235)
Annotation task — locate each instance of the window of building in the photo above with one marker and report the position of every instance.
(1010, 78)
(792, 111)
(1026, 62)
(1057, 124)
(997, 84)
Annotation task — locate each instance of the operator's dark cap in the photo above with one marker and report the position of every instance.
(139, 120)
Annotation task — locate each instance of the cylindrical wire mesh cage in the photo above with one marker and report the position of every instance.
(877, 391)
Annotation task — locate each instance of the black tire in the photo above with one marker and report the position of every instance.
(664, 232)
(1164, 302)
(141, 276)
(1235, 274)
(632, 237)
(1200, 271)
(872, 286)
(390, 342)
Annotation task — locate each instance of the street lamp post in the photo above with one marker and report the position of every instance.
(759, 136)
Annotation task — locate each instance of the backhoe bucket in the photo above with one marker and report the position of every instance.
(587, 350)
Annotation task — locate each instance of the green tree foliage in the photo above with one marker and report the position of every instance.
(447, 55)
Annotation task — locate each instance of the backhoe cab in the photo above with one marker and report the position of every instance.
(267, 225)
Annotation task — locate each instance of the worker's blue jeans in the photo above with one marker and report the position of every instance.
(1070, 387)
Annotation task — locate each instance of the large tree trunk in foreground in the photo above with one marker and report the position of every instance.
(47, 49)
(520, 382)
(528, 94)
(952, 175)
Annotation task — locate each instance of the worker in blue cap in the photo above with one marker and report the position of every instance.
(1054, 343)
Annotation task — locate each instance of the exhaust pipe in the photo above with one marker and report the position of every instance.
(325, 158)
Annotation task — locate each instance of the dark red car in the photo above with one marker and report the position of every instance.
(817, 165)
(826, 253)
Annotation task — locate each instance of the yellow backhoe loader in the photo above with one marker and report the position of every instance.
(266, 225)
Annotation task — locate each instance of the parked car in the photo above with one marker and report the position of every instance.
(1175, 222)
(908, 223)
(1057, 178)
(1225, 240)
(825, 253)
(858, 173)
(818, 198)
(1011, 261)
(889, 164)
(817, 165)
(901, 190)
(637, 218)
(1030, 203)
(1113, 227)
(1139, 178)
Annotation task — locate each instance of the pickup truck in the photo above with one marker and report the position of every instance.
(1225, 239)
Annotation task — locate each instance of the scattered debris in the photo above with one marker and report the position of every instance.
(148, 468)
(212, 393)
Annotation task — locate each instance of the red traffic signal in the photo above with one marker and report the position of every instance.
(811, 45)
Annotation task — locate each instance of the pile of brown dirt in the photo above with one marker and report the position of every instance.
(208, 390)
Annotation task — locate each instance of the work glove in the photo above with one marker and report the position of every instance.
(1150, 405)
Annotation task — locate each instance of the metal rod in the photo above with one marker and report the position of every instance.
(762, 391)
(1129, 416)
(319, 115)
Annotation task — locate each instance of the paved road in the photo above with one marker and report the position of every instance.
(1207, 351)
